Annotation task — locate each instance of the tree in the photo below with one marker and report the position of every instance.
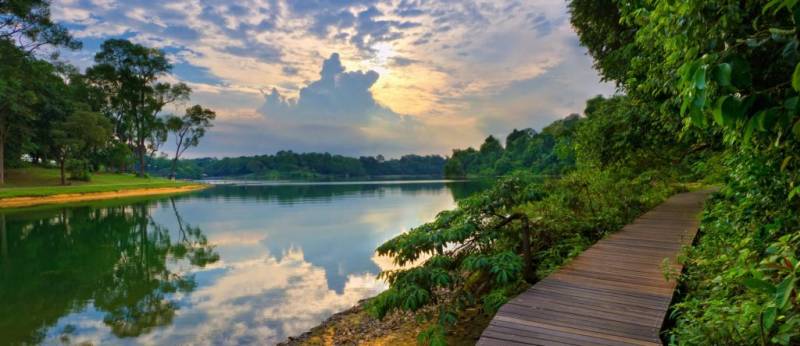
(75, 136)
(128, 74)
(16, 98)
(25, 25)
(609, 40)
(188, 130)
(454, 169)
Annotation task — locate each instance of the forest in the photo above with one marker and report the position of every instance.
(302, 166)
(707, 96)
(544, 153)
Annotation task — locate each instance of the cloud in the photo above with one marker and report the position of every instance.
(338, 97)
(448, 71)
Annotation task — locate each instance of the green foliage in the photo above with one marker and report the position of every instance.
(81, 133)
(79, 169)
(291, 165)
(622, 132)
(728, 70)
(474, 255)
(546, 153)
(27, 23)
(127, 75)
(608, 39)
(188, 130)
(742, 277)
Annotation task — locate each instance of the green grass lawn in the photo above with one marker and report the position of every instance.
(37, 181)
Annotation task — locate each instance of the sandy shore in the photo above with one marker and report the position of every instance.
(16, 202)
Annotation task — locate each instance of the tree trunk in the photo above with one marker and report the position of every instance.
(177, 156)
(61, 164)
(174, 168)
(527, 255)
(141, 159)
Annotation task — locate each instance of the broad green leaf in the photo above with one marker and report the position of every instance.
(727, 111)
(699, 99)
(697, 119)
(759, 285)
(793, 193)
(796, 78)
(767, 119)
(771, 4)
(796, 129)
(700, 78)
(784, 291)
(723, 74)
(685, 105)
(769, 317)
(749, 129)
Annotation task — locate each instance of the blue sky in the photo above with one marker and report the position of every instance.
(355, 77)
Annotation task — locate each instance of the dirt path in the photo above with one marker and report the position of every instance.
(17, 202)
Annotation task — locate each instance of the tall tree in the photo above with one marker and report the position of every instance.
(25, 25)
(188, 130)
(15, 98)
(81, 132)
(129, 73)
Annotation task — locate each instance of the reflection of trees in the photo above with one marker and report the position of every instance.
(289, 194)
(117, 257)
(194, 244)
(3, 242)
(461, 190)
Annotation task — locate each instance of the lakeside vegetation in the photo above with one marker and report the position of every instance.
(546, 152)
(709, 93)
(303, 166)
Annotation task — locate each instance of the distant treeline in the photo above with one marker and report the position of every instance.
(546, 152)
(291, 165)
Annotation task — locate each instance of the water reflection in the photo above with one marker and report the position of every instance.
(115, 258)
(229, 265)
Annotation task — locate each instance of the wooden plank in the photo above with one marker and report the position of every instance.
(550, 334)
(614, 293)
(585, 311)
(598, 336)
(599, 290)
(595, 325)
(624, 308)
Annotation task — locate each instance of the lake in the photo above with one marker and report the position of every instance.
(233, 264)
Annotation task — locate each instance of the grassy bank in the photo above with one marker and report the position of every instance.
(43, 182)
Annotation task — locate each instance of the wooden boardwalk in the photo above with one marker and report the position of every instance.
(614, 293)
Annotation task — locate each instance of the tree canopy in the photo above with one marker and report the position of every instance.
(58, 113)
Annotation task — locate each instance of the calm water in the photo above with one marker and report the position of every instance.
(228, 265)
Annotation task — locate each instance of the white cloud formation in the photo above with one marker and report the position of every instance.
(441, 74)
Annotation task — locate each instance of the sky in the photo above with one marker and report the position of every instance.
(354, 77)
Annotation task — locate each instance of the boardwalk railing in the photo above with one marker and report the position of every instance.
(614, 293)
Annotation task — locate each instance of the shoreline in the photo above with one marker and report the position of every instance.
(355, 326)
(20, 202)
